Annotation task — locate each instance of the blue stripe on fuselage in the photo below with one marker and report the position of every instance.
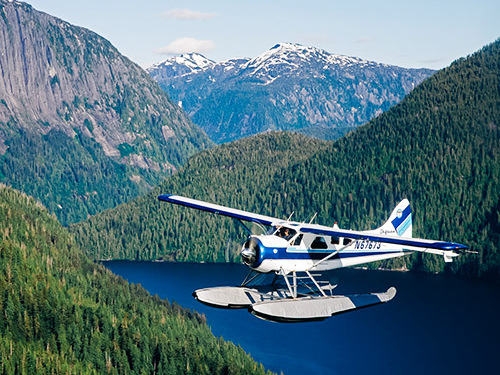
(294, 253)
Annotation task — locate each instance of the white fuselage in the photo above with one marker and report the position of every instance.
(308, 252)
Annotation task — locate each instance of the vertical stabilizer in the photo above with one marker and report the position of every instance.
(400, 221)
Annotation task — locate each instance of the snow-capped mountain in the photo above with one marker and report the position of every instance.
(289, 59)
(289, 87)
(184, 64)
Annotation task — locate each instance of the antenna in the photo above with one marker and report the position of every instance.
(310, 221)
(289, 217)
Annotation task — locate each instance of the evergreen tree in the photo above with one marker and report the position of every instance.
(439, 148)
(61, 313)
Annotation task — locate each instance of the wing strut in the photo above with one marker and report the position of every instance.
(247, 229)
(316, 283)
(293, 286)
(329, 256)
(249, 277)
(293, 291)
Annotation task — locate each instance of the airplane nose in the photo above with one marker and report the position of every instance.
(250, 252)
(248, 256)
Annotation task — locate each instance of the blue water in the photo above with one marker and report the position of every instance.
(435, 325)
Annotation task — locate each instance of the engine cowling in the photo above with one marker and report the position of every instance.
(251, 252)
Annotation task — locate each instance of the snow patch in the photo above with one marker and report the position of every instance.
(193, 61)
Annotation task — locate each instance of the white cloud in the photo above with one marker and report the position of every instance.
(187, 45)
(187, 14)
(367, 39)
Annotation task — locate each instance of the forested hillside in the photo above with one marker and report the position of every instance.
(82, 128)
(237, 174)
(439, 147)
(61, 313)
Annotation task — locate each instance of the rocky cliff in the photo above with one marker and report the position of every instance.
(64, 87)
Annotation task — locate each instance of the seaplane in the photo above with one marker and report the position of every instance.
(297, 254)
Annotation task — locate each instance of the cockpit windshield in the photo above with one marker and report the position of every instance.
(283, 232)
(271, 230)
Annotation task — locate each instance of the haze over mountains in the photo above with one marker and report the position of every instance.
(439, 147)
(82, 128)
(289, 87)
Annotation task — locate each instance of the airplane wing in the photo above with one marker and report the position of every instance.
(219, 210)
(414, 244)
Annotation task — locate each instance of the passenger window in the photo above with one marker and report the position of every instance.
(347, 241)
(335, 240)
(319, 243)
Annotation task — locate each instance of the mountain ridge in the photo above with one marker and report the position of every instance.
(65, 87)
(439, 148)
(288, 87)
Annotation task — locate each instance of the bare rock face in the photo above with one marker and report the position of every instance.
(56, 78)
(288, 87)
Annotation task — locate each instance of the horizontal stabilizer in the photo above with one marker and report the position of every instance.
(316, 308)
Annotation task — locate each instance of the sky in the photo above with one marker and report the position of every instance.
(407, 33)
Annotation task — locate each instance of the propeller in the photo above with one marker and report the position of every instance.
(250, 252)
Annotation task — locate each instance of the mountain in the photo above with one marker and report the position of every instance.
(236, 173)
(439, 147)
(82, 128)
(62, 313)
(289, 87)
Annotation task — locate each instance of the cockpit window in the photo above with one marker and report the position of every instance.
(271, 230)
(284, 232)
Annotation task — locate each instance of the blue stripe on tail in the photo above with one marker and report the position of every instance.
(402, 220)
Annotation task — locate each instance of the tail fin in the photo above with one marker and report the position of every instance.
(399, 222)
